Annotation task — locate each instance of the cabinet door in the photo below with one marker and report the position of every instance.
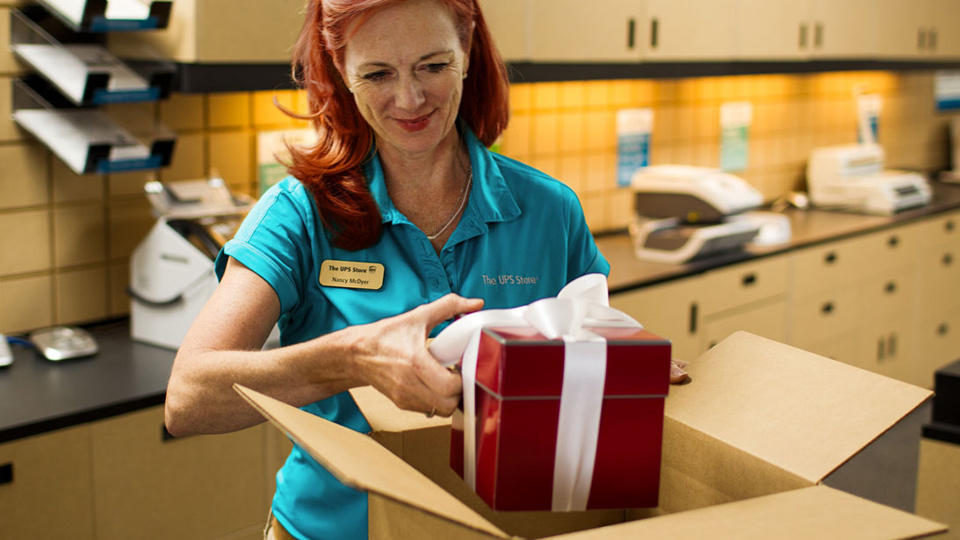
(886, 295)
(670, 310)
(507, 20)
(578, 31)
(47, 490)
(946, 29)
(195, 487)
(936, 342)
(845, 29)
(771, 30)
(823, 317)
(689, 30)
(886, 348)
(769, 321)
(938, 279)
(904, 28)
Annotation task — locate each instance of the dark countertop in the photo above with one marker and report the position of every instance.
(37, 395)
(809, 227)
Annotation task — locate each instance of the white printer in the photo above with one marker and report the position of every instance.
(171, 270)
(852, 177)
(685, 212)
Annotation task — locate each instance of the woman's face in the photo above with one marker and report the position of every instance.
(405, 67)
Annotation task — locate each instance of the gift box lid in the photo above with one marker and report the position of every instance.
(519, 362)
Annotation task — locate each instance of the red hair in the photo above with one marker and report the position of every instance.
(332, 170)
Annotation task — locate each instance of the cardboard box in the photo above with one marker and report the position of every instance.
(219, 31)
(520, 378)
(747, 447)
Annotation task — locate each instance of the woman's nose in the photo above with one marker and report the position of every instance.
(409, 94)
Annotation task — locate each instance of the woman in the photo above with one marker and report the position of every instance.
(405, 95)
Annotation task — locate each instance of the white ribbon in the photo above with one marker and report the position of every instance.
(582, 303)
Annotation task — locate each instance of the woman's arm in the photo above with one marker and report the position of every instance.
(223, 345)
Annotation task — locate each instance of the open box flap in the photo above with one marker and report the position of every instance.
(811, 512)
(358, 461)
(799, 411)
(383, 415)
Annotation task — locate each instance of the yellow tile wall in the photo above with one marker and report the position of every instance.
(66, 239)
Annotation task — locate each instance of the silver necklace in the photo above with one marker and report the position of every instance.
(463, 201)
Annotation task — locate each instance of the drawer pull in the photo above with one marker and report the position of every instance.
(827, 308)
(948, 226)
(942, 329)
(891, 287)
(880, 350)
(947, 259)
(631, 33)
(654, 32)
(749, 279)
(693, 318)
(830, 257)
(6, 473)
(893, 241)
(892, 345)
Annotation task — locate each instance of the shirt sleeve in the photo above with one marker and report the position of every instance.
(584, 256)
(270, 241)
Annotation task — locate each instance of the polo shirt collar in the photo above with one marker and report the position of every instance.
(490, 196)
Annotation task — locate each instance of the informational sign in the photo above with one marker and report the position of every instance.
(735, 120)
(273, 155)
(633, 142)
(868, 118)
(946, 90)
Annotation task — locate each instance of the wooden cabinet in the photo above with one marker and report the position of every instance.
(689, 30)
(46, 489)
(772, 30)
(670, 310)
(195, 487)
(507, 21)
(767, 319)
(578, 31)
(946, 30)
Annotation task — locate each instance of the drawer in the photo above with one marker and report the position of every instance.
(893, 247)
(844, 349)
(822, 316)
(829, 265)
(195, 487)
(937, 340)
(887, 294)
(743, 284)
(47, 486)
(938, 286)
(769, 321)
(942, 229)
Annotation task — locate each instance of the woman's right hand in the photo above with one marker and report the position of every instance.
(392, 356)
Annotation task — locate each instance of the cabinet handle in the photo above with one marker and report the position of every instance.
(921, 39)
(6, 473)
(818, 35)
(893, 241)
(932, 39)
(693, 318)
(830, 257)
(631, 33)
(880, 349)
(827, 308)
(749, 279)
(942, 329)
(891, 287)
(948, 226)
(892, 345)
(654, 32)
(803, 36)
(947, 259)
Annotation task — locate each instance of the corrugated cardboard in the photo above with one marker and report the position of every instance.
(219, 31)
(746, 446)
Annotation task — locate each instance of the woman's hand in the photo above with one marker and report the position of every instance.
(391, 355)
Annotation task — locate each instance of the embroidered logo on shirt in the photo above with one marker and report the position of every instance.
(351, 274)
(509, 279)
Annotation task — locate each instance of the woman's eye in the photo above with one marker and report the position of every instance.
(375, 76)
(437, 67)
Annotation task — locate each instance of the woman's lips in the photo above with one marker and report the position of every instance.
(415, 124)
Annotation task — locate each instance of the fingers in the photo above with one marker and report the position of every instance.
(677, 373)
(448, 307)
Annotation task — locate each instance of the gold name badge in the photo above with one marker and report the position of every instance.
(351, 274)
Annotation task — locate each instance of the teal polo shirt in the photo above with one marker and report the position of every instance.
(522, 237)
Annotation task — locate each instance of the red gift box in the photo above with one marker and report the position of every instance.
(519, 380)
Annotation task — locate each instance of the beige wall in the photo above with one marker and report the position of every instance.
(65, 239)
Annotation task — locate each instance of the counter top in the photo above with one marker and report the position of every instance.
(809, 227)
(37, 395)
